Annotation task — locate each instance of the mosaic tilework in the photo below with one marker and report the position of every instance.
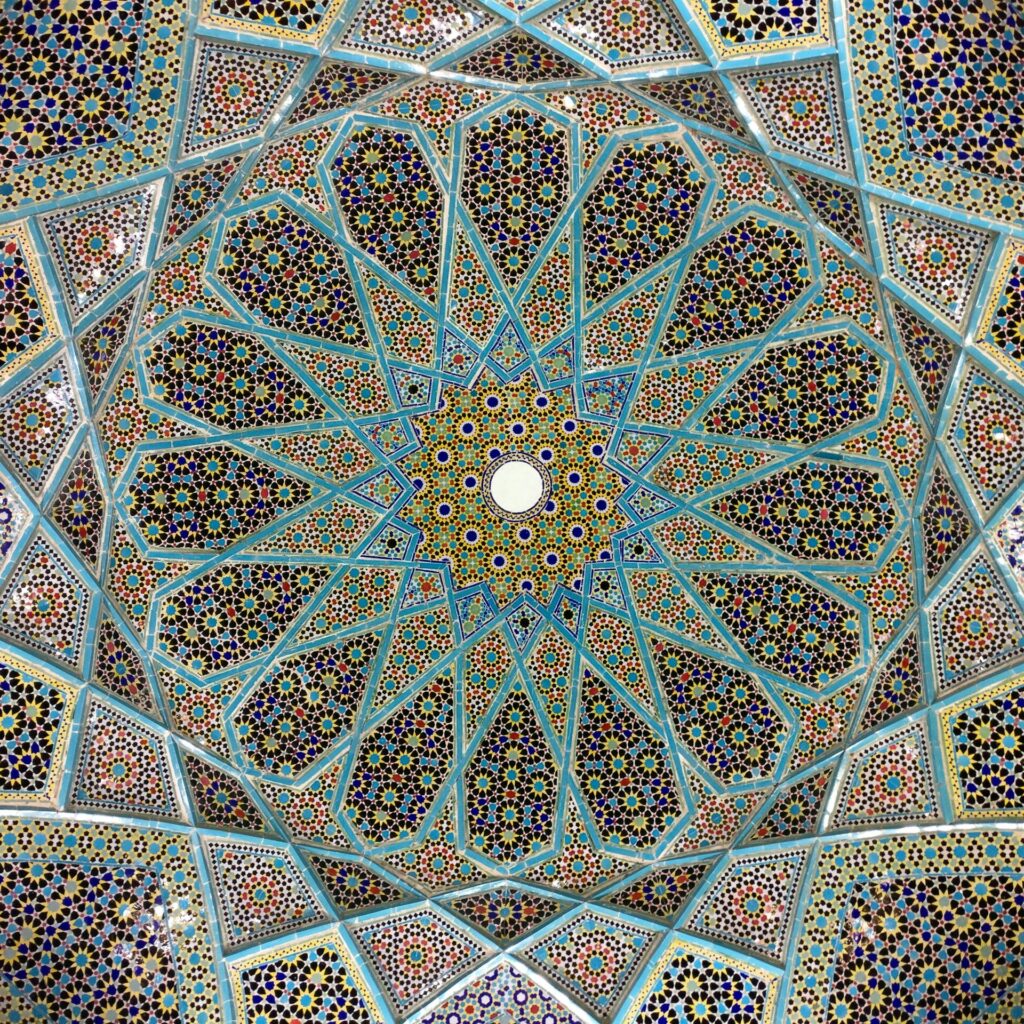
(259, 893)
(415, 954)
(319, 975)
(112, 114)
(511, 511)
(687, 978)
(751, 903)
(860, 883)
(502, 994)
(36, 718)
(123, 901)
(506, 913)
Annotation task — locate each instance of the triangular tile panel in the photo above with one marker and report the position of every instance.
(259, 892)
(220, 799)
(937, 260)
(986, 435)
(976, 625)
(507, 913)
(752, 903)
(929, 352)
(800, 110)
(123, 767)
(414, 33)
(235, 93)
(516, 59)
(415, 954)
(79, 508)
(594, 957)
(42, 414)
(98, 246)
(656, 34)
(45, 604)
(889, 781)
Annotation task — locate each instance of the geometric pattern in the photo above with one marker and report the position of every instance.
(45, 605)
(27, 313)
(295, 978)
(946, 525)
(517, 58)
(836, 206)
(688, 976)
(986, 437)
(899, 685)
(14, 520)
(929, 353)
(77, 963)
(236, 91)
(594, 957)
(41, 415)
(99, 245)
(657, 34)
(506, 913)
(353, 887)
(999, 330)
(138, 889)
(938, 261)
(799, 108)
(888, 781)
(795, 810)
(37, 710)
(751, 904)
(986, 729)
(122, 765)
(415, 954)
(976, 626)
(423, 33)
(661, 893)
(507, 995)
(79, 509)
(853, 898)
(258, 894)
(511, 511)
(219, 799)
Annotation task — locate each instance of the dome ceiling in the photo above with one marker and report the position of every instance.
(511, 512)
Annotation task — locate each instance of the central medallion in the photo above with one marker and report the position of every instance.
(517, 486)
(512, 488)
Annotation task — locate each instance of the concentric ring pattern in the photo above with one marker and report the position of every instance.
(308, 715)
